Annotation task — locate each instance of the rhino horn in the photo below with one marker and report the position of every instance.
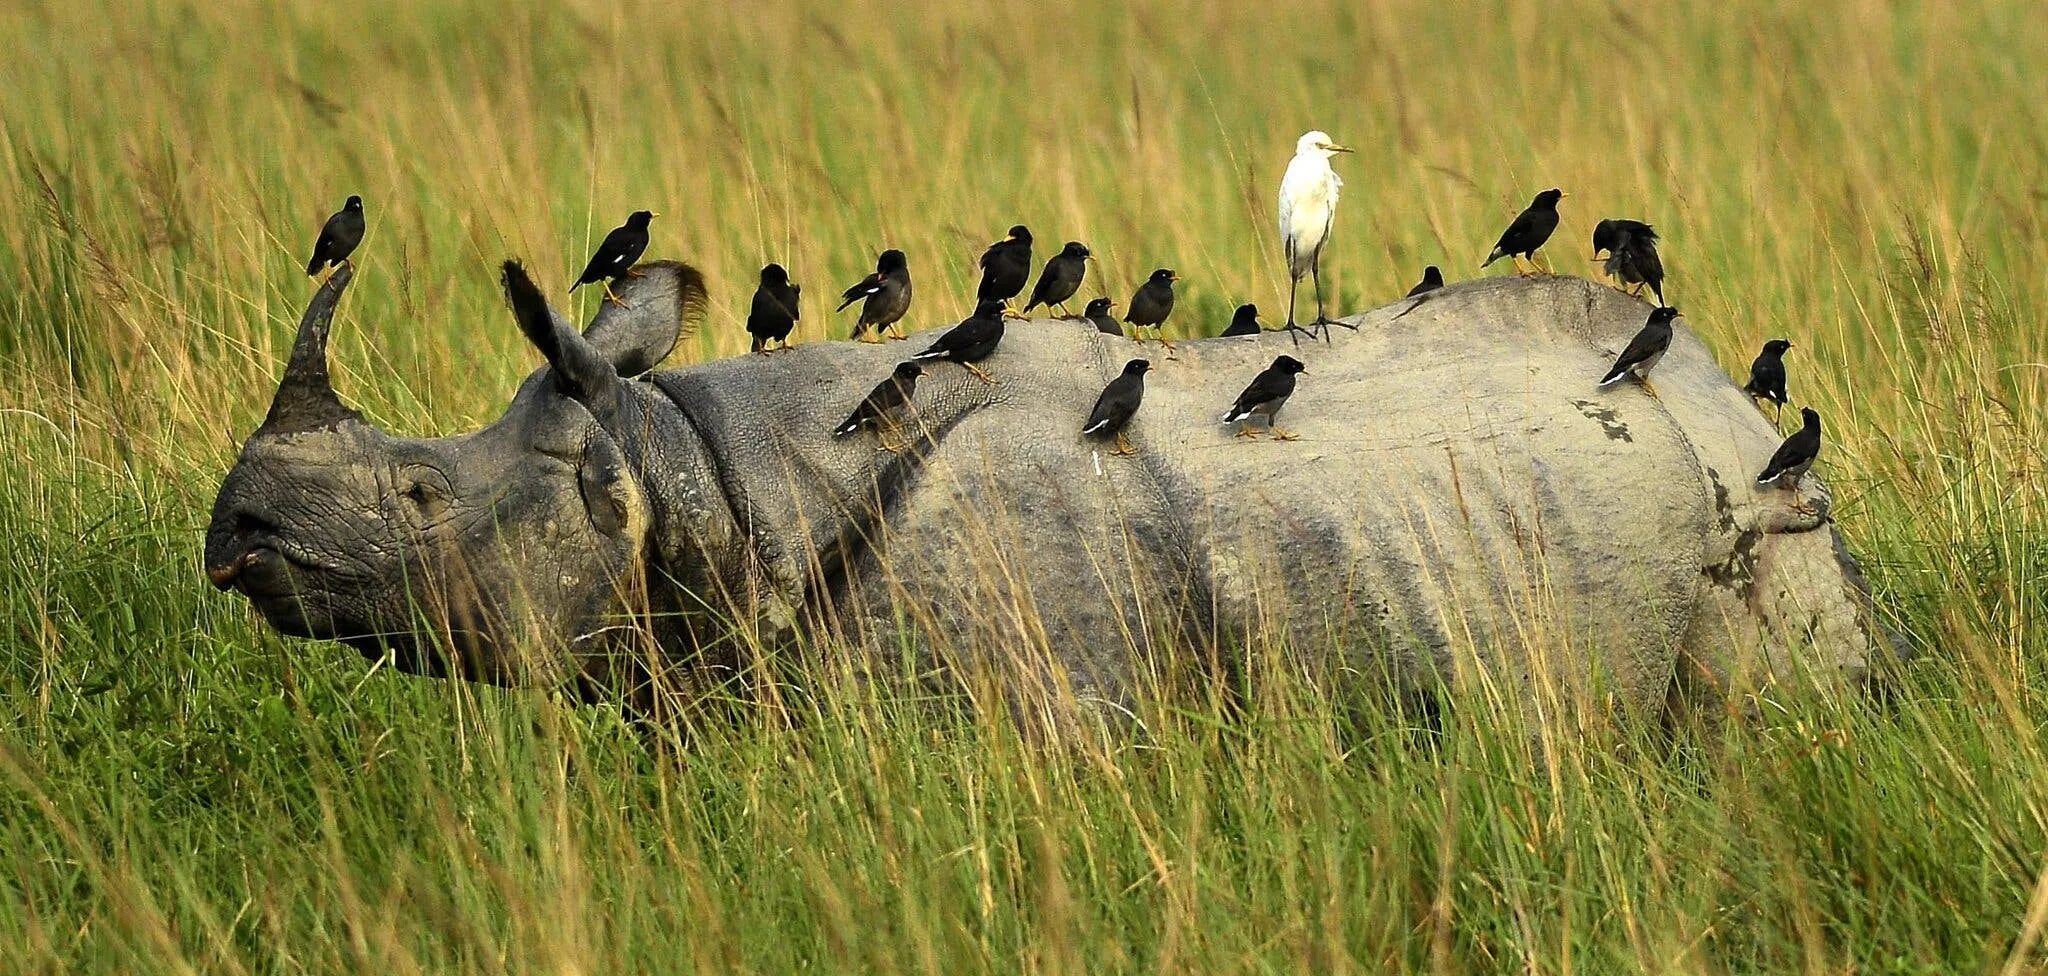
(305, 399)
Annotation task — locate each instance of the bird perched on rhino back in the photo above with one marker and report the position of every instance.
(1792, 459)
(1152, 304)
(1244, 321)
(1432, 279)
(1644, 350)
(1005, 267)
(1530, 230)
(1308, 210)
(339, 237)
(1631, 247)
(973, 340)
(1061, 278)
(1116, 406)
(775, 311)
(616, 256)
(1098, 315)
(1767, 375)
(883, 408)
(884, 297)
(1265, 396)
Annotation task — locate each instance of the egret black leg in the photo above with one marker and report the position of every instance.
(1295, 331)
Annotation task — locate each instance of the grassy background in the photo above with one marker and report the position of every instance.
(182, 792)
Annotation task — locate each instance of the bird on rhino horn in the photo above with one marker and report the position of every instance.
(616, 525)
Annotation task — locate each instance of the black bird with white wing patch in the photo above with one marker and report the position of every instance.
(883, 409)
(1530, 230)
(884, 297)
(1116, 406)
(1644, 350)
(973, 340)
(1265, 396)
(1767, 375)
(1795, 456)
(615, 257)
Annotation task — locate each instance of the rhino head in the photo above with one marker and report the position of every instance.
(452, 554)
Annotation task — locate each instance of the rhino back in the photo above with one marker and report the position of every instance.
(1461, 493)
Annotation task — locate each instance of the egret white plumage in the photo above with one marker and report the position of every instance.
(1308, 206)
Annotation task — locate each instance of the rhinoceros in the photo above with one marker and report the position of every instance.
(1463, 500)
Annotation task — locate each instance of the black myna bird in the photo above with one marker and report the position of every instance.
(1767, 375)
(1794, 456)
(1117, 405)
(884, 297)
(775, 312)
(1432, 279)
(1097, 313)
(883, 409)
(1244, 321)
(1644, 350)
(1265, 396)
(1006, 267)
(1061, 278)
(338, 237)
(973, 340)
(1532, 227)
(1152, 304)
(615, 257)
(1631, 247)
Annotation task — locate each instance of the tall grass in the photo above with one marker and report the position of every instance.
(183, 792)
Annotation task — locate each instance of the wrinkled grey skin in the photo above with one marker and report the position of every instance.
(1464, 502)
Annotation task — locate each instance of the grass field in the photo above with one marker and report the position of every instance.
(181, 791)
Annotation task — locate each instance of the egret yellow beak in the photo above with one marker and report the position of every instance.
(1333, 147)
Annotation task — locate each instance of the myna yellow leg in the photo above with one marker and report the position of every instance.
(635, 273)
(1283, 434)
(613, 297)
(980, 373)
(1123, 446)
(1248, 432)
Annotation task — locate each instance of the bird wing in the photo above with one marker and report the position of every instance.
(1798, 449)
(1308, 208)
(1636, 230)
(1114, 406)
(1647, 343)
(1264, 387)
(861, 289)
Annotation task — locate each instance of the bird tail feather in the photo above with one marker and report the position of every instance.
(312, 267)
(852, 424)
(1496, 255)
(1614, 374)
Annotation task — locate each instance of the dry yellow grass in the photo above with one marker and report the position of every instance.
(178, 791)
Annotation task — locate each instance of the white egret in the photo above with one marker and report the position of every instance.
(1308, 206)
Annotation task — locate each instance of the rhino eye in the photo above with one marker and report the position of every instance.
(425, 492)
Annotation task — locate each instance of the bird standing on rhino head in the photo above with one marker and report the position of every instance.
(615, 257)
(1308, 208)
(1528, 233)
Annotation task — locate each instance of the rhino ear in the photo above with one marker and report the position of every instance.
(581, 371)
(662, 305)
